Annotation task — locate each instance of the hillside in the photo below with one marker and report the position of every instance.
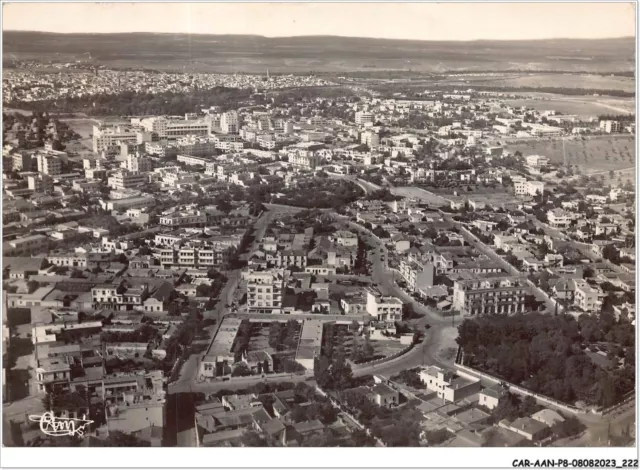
(210, 53)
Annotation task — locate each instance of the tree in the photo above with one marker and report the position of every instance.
(241, 370)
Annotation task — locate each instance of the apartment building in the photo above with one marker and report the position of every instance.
(585, 297)
(522, 187)
(191, 255)
(49, 164)
(196, 146)
(40, 184)
(171, 128)
(138, 164)
(536, 161)
(21, 162)
(162, 150)
(489, 295)
(386, 309)
(304, 158)
(192, 160)
(265, 290)
(417, 276)
(107, 138)
(609, 126)
(372, 139)
(559, 218)
(364, 117)
(266, 141)
(125, 179)
(229, 122)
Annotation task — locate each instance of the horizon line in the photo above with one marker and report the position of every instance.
(318, 36)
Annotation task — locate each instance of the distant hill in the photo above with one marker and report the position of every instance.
(200, 53)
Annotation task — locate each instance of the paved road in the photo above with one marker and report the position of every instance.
(180, 399)
(422, 194)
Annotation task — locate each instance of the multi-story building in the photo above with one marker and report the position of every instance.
(229, 122)
(192, 160)
(137, 163)
(416, 275)
(609, 126)
(536, 161)
(265, 290)
(489, 295)
(25, 245)
(49, 164)
(364, 117)
(160, 149)
(559, 218)
(40, 183)
(585, 297)
(372, 139)
(22, 162)
(204, 256)
(171, 128)
(196, 146)
(107, 138)
(266, 141)
(447, 385)
(384, 309)
(522, 187)
(304, 158)
(184, 219)
(124, 179)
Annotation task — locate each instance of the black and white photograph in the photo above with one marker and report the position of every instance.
(311, 225)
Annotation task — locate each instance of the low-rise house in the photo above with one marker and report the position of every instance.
(491, 397)
(548, 417)
(385, 396)
(527, 427)
(447, 385)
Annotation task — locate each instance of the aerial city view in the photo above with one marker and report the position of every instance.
(318, 237)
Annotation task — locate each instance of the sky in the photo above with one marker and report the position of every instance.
(418, 21)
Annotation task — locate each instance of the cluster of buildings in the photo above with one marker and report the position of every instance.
(26, 84)
(108, 252)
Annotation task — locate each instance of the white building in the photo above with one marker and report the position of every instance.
(265, 291)
(229, 122)
(387, 309)
(124, 179)
(49, 164)
(363, 117)
(609, 126)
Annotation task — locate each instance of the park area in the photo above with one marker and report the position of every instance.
(589, 154)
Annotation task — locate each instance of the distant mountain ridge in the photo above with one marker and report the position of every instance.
(200, 52)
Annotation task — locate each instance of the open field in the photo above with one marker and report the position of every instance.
(602, 153)
(84, 127)
(583, 106)
(254, 54)
(556, 80)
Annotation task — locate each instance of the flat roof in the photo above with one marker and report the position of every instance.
(223, 341)
(310, 339)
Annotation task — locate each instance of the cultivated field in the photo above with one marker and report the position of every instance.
(590, 155)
